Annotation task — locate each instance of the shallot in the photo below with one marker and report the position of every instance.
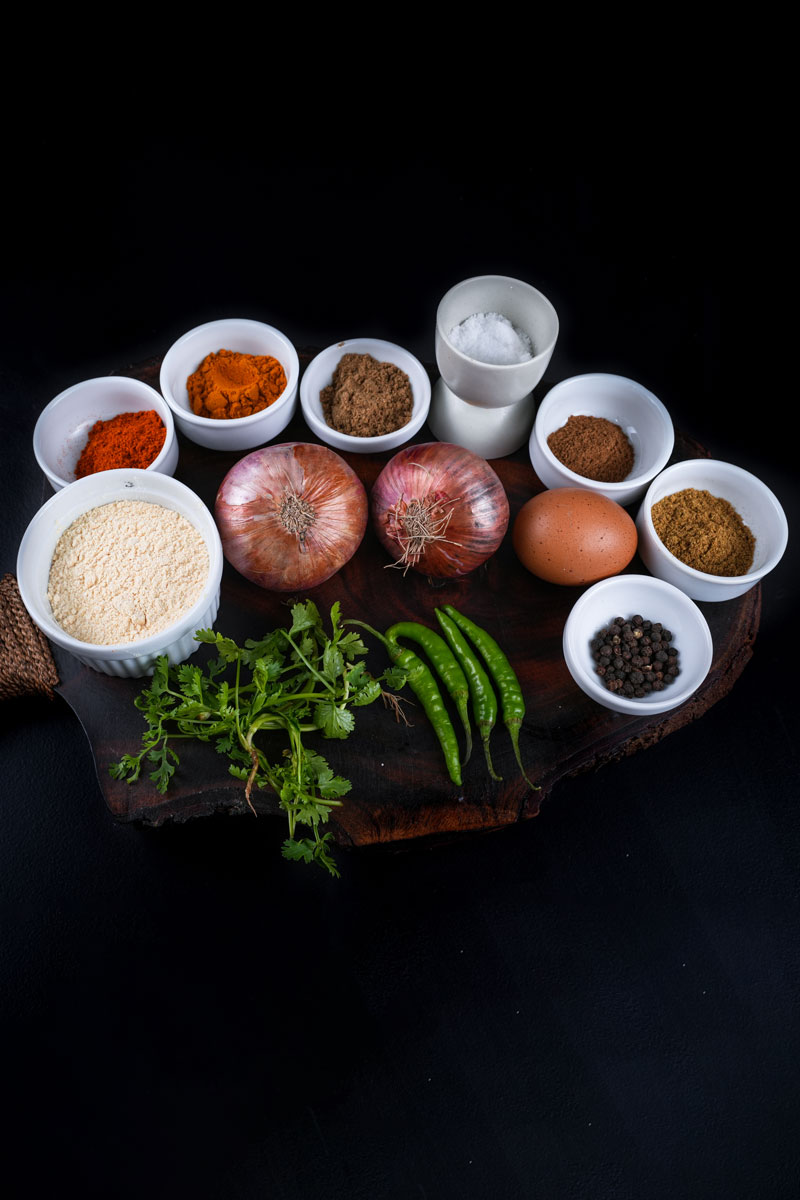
(290, 516)
(439, 509)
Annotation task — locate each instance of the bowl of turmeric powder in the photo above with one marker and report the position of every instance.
(231, 384)
(105, 424)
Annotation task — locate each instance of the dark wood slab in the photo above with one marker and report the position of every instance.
(400, 787)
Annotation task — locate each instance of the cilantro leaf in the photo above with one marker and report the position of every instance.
(333, 720)
(305, 616)
(309, 851)
(332, 663)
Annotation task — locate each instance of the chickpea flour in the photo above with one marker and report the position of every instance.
(125, 570)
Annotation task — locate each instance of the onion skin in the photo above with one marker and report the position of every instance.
(324, 496)
(462, 492)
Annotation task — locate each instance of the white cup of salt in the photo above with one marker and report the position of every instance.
(494, 339)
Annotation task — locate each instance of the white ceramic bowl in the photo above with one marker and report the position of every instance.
(489, 385)
(53, 518)
(60, 434)
(756, 505)
(640, 414)
(319, 373)
(654, 600)
(247, 337)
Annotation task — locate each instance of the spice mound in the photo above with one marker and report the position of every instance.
(132, 439)
(125, 570)
(705, 532)
(366, 398)
(491, 338)
(593, 447)
(635, 657)
(228, 384)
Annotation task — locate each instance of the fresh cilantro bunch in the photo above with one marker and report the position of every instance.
(296, 681)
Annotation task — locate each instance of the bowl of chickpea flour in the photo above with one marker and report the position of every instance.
(121, 567)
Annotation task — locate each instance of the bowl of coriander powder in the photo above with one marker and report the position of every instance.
(711, 529)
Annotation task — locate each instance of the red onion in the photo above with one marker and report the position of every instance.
(439, 509)
(291, 515)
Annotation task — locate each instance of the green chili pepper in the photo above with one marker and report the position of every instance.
(424, 686)
(484, 701)
(503, 674)
(446, 664)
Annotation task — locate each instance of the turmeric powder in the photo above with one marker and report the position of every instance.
(229, 384)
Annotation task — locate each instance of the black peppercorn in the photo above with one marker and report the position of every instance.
(634, 657)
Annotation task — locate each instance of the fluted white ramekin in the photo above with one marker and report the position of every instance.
(53, 518)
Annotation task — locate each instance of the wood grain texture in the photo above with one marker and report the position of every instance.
(400, 787)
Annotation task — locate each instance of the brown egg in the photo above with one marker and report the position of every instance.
(573, 536)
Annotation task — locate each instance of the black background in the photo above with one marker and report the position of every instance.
(599, 1004)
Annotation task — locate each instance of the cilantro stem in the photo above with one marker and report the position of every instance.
(311, 668)
(236, 694)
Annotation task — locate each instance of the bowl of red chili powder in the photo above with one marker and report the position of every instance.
(105, 424)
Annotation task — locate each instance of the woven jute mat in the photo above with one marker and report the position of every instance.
(26, 664)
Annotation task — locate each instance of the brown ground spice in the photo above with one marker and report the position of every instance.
(593, 447)
(704, 532)
(366, 398)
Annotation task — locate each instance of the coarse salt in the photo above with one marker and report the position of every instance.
(124, 571)
(491, 338)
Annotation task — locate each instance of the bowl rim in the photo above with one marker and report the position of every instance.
(165, 412)
(323, 430)
(156, 642)
(723, 581)
(638, 706)
(192, 418)
(528, 362)
(620, 486)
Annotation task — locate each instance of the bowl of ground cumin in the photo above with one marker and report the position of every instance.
(122, 567)
(231, 384)
(601, 432)
(102, 425)
(365, 395)
(711, 529)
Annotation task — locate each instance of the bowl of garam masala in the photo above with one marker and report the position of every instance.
(121, 567)
(602, 432)
(365, 395)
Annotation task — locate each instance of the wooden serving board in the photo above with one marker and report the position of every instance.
(400, 786)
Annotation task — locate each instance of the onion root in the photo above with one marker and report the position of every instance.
(417, 525)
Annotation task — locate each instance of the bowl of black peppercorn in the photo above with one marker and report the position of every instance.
(637, 645)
